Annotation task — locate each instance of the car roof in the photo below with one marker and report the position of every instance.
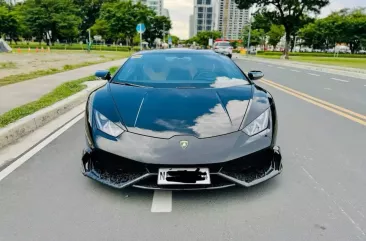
(176, 51)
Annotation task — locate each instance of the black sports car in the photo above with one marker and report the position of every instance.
(180, 119)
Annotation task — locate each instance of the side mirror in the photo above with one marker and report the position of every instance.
(103, 74)
(255, 74)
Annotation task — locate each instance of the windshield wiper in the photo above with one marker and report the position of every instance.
(130, 84)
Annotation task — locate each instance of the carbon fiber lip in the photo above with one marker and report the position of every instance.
(219, 179)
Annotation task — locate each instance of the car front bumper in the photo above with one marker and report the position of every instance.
(120, 172)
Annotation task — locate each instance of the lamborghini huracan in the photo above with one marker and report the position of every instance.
(180, 119)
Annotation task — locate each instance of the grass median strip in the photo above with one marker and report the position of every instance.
(11, 79)
(59, 93)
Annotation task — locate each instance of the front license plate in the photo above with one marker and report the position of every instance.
(185, 176)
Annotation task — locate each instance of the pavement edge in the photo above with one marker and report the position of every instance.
(13, 132)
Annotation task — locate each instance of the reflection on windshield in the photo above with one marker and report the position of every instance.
(224, 82)
(181, 68)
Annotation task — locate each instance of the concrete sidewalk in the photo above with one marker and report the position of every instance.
(18, 94)
(352, 72)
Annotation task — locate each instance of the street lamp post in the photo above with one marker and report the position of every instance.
(250, 29)
(248, 45)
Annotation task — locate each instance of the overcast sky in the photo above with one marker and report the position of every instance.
(181, 9)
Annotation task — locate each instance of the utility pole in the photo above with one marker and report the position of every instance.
(89, 43)
(250, 27)
(163, 32)
(140, 40)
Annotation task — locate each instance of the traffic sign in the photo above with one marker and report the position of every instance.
(140, 28)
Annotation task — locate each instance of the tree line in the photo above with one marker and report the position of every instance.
(345, 26)
(70, 20)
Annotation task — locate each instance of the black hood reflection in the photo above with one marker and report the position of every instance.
(165, 113)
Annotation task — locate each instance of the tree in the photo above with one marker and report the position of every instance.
(59, 18)
(90, 12)
(257, 36)
(175, 39)
(275, 34)
(354, 28)
(202, 37)
(261, 21)
(234, 44)
(122, 18)
(10, 22)
(157, 27)
(285, 12)
(345, 26)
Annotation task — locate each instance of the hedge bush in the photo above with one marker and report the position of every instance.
(277, 53)
(75, 47)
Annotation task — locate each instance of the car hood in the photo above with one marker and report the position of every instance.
(168, 112)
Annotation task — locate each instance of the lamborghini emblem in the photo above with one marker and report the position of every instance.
(183, 144)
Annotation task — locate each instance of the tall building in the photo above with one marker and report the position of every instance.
(156, 5)
(191, 26)
(231, 20)
(166, 13)
(204, 16)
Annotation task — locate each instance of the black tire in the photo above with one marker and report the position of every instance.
(230, 56)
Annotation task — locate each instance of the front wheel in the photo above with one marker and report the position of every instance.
(229, 56)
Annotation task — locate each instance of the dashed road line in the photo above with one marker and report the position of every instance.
(294, 70)
(327, 88)
(313, 74)
(280, 68)
(162, 202)
(269, 65)
(341, 80)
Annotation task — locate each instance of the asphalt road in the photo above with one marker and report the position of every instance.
(320, 195)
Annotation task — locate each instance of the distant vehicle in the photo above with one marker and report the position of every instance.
(180, 119)
(224, 48)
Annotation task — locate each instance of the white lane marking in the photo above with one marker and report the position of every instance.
(4, 173)
(313, 74)
(334, 201)
(162, 202)
(269, 65)
(327, 88)
(280, 68)
(342, 80)
(294, 70)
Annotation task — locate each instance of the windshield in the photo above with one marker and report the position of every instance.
(224, 44)
(180, 70)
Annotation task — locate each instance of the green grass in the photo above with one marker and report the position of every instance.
(59, 93)
(7, 65)
(338, 61)
(11, 79)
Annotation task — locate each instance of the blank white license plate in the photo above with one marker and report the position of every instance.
(184, 176)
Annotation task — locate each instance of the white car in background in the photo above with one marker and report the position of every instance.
(223, 47)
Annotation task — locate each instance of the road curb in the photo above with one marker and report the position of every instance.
(351, 72)
(14, 131)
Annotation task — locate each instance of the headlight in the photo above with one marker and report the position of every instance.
(258, 125)
(106, 125)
